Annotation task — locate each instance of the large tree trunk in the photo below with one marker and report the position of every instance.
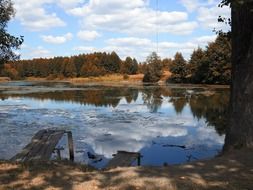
(240, 130)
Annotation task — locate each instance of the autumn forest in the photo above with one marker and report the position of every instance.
(211, 65)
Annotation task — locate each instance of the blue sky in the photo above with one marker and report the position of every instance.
(129, 27)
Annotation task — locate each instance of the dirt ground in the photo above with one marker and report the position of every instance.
(231, 172)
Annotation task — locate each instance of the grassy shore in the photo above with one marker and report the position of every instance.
(119, 78)
(233, 171)
(109, 78)
(81, 80)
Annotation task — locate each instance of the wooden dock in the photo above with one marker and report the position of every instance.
(124, 159)
(43, 144)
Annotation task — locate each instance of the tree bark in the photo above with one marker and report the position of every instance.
(240, 130)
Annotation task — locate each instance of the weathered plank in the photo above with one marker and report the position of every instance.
(71, 146)
(48, 146)
(37, 146)
(124, 159)
(41, 146)
(36, 138)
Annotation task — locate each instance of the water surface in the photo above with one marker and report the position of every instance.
(166, 124)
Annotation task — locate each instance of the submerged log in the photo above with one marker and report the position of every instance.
(124, 159)
(172, 145)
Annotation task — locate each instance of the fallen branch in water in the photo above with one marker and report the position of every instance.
(172, 145)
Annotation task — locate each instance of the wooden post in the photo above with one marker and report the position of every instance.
(58, 151)
(139, 160)
(71, 146)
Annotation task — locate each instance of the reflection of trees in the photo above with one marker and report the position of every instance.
(214, 108)
(211, 105)
(152, 98)
(179, 104)
(130, 94)
(102, 96)
(178, 99)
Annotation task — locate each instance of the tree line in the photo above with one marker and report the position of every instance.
(211, 65)
(83, 65)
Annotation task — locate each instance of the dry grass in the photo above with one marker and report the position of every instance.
(108, 78)
(118, 78)
(137, 78)
(165, 76)
(232, 171)
(4, 79)
(35, 79)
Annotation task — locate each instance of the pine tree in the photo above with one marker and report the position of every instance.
(70, 68)
(198, 66)
(178, 69)
(153, 71)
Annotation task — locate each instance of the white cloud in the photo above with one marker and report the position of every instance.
(67, 4)
(109, 6)
(39, 52)
(135, 20)
(190, 5)
(30, 52)
(208, 17)
(57, 39)
(87, 35)
(205, 39)
(132, 17)
(208, 12)
(193, 5)
(142, 47)
(85, 49)
(34, 17)
(129, 41)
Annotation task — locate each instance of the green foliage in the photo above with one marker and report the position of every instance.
(112, 63)
(198, 66)
(219, 61)
(142, 67)
(178, 69)
(153, 71)
(166, 63)
(8, 43)
(90, 69)
(134, 67)
(129, 66)
(69, 68)
(212, 66)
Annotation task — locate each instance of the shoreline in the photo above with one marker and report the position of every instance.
(233, 170)
(116, 80)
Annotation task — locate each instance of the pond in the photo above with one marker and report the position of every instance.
(166, 124)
